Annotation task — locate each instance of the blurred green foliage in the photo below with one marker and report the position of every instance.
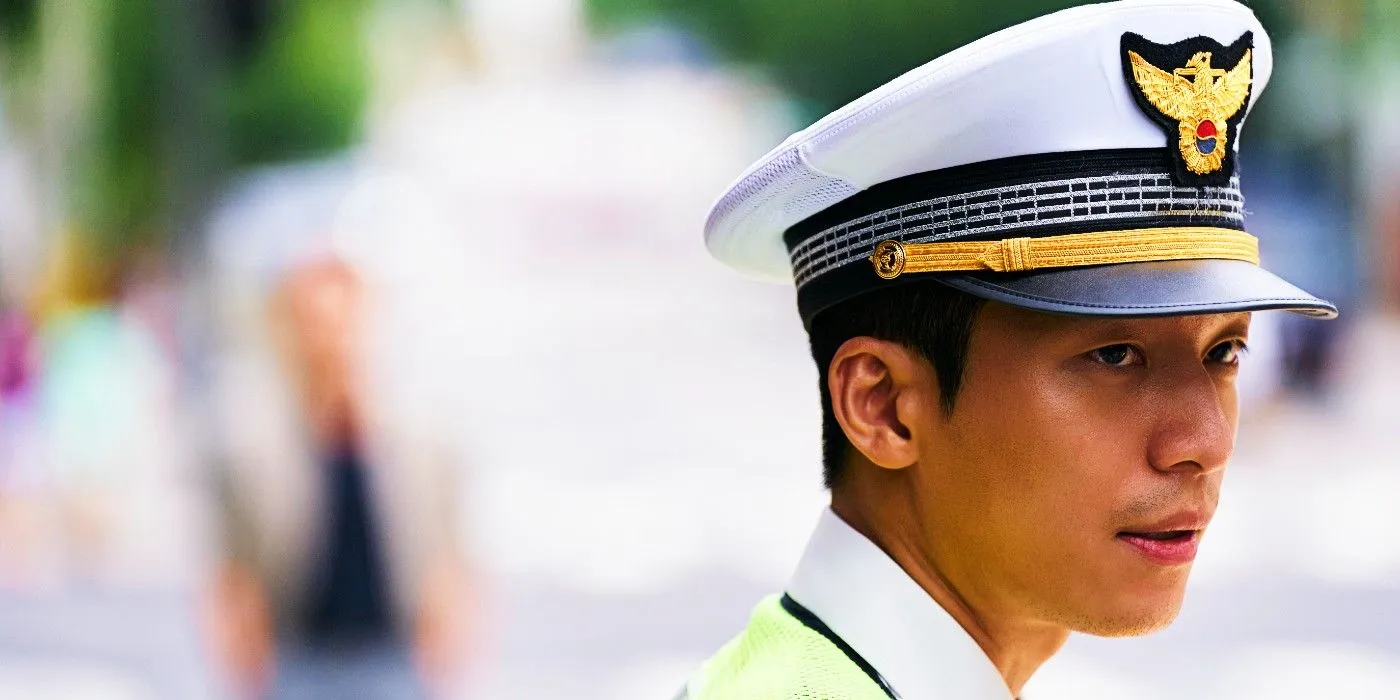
(293, 83)
(292, 86)
(828, 52)
(117, 187)
(302, 90)
(17, 18)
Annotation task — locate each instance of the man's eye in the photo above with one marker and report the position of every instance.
(1227, 353)
(1121, 355)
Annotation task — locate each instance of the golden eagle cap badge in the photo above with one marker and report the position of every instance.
(1196, 90)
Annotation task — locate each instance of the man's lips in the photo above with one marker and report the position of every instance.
(1170, 542)
(1168, 548)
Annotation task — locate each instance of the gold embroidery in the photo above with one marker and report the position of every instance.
(892, 258)
(1201, 106)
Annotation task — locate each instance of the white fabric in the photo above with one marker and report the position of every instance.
(1050, 85)
(871, 604)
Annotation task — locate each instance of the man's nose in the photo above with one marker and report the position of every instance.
(1195, 429)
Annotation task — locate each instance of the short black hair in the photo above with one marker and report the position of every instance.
(925, 316)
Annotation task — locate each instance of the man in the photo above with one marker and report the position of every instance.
(344, 574)
(1026, 278)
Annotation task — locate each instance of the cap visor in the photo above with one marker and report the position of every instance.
(1171, 288)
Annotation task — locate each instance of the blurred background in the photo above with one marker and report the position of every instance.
(369, 349)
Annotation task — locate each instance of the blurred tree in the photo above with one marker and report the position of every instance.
(828, 52)
(141, 106)
(16, 18)
(119, 195)
(246, 22)
(299, 78)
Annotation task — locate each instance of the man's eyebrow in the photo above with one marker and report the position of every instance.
(1090, 327)
(1237, 325)
(1068, 326)
(1116, 329)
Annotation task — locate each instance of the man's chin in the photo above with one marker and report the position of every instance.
(1137, 617)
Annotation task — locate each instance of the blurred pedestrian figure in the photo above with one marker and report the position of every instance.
(18, 440)
(344, 576)
(1387, 208)
(16, 357)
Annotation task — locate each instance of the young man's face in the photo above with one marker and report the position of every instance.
(1081, 464)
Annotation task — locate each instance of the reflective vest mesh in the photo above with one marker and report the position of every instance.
(778, 658)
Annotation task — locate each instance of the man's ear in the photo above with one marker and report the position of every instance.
(880, 393)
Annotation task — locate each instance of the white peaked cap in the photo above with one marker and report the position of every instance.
(1052, 85)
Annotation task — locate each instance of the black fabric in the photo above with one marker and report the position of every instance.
(1169, 57)
(1019, 170)
(1027, 196)
(1138, 289)
(349, 599)
(848, 281)
(814, 623)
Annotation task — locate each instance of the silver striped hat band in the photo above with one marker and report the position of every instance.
(1136, 200)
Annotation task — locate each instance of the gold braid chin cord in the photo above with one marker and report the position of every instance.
(892, 258)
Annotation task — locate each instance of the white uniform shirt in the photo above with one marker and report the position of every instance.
(921, 652)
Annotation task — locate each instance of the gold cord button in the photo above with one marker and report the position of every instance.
(888, 259)
(893, 258)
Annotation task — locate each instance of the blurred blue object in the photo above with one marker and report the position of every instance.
(1298, 204)
(372, 673)
(657, 44)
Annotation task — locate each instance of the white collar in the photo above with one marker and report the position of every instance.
(887, 618)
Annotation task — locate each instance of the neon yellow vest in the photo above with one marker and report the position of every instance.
(779, 657)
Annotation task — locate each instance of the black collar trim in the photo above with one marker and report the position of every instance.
(806, 617)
